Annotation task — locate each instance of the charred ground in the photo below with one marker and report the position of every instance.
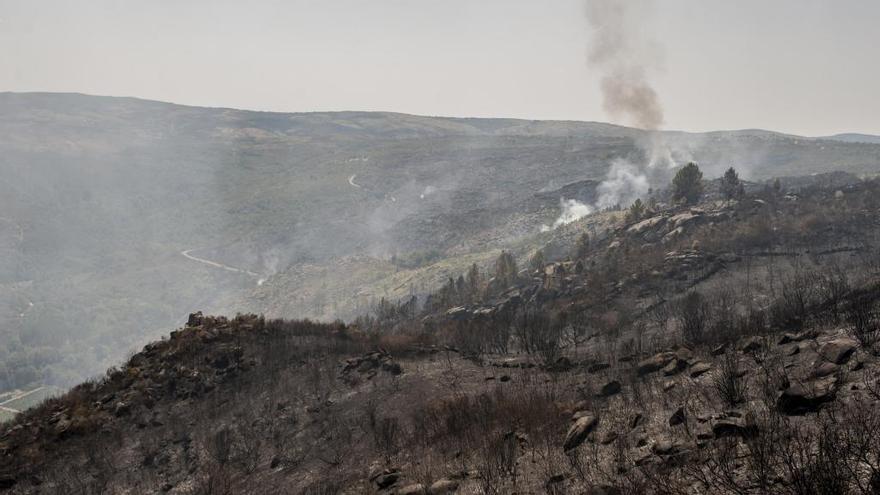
(725, 347)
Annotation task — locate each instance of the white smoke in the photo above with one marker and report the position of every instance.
(624, 183)
(572, 210)
(623, 53)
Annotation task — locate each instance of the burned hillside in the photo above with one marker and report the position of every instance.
(728, 346)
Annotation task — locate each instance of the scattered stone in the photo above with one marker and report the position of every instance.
(800, 399)
(678, 417)
(603, 490)
(387, 479)
(579, 431)
(699, 368)
(751, 344)
(636, 420)
(730, 427)
(664, 447)
(415, 489)
(668, 385)
(654, 363)
(556, 478)
(674, 367)
(121, 409)
(719, 350)
(610, 388)
(443, 487)
(609, 437)
(824, 369)
(562, 363)
(597, 367)
(838, 351)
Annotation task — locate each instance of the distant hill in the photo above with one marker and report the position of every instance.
(121, 215)
(854, 138)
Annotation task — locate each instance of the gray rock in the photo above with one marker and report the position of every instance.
(610, 388)
(443, 487)
(579, 431)
(751, 344)
(699, 368)
(674, 367)
(823, 369)
(801, 398)
(388, 479)
(730, 427)
(678, 417)
(838, 351)
(415, 489)
(654, 363)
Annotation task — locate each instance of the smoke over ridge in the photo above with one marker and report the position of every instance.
(625, 58)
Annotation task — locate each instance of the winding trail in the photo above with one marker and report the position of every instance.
(215, 264)
(19, 396)
(351, 181)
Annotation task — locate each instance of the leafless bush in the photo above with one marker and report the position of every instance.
(540, 333)
(864, 325)
(496, 459)
(727, 382)
(693, 314)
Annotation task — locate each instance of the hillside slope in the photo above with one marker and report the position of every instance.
(101, 197)
(726, 347)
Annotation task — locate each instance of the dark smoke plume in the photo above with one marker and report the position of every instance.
(625, 58)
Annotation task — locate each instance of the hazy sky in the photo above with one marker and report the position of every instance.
(801, 66)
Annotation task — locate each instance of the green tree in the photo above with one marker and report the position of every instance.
(687, 185)
(730, 184)
(636, 211)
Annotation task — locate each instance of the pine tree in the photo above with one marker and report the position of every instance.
(730, 184)
(687, 185)
(636, 211)
(505, 269)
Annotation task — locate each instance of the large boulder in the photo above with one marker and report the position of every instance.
(838, 351)
(802, 398)
(654, 363)
(734, 427)
(579, 431)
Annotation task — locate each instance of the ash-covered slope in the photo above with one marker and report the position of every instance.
(120, 216)
(677, 343)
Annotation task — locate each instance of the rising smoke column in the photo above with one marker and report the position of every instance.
(625, 57)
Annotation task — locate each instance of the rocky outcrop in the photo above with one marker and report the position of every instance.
(370, 363)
